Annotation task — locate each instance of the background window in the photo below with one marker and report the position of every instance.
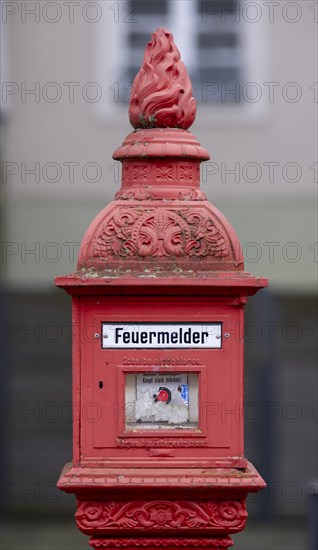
(208, 35)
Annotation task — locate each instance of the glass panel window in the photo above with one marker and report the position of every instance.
(161, 400)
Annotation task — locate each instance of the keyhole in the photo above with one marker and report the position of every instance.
(101, 384)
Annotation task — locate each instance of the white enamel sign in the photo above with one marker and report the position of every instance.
(161, 335)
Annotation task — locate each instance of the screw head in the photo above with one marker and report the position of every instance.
(96, 335)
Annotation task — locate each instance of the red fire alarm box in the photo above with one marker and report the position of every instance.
(168, 368)
(158, 299)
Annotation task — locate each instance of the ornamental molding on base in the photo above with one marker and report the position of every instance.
(227, 516)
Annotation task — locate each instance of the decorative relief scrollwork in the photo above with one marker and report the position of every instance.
(160, 232)
(162, 515)
(186, 173)
(177, 174)
(162, 542)
(165, 173)
(136, 172)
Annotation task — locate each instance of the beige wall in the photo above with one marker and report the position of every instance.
(279, 212)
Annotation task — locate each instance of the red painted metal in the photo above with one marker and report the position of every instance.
(159, 253)
(161, 95)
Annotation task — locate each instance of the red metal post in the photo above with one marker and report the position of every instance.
(158, 298)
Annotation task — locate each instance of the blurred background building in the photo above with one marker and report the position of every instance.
(67, 69)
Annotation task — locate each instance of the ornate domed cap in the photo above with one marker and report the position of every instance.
(160, 221)
(161, 95)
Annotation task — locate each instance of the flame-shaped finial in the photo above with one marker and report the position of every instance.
(161, 95)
